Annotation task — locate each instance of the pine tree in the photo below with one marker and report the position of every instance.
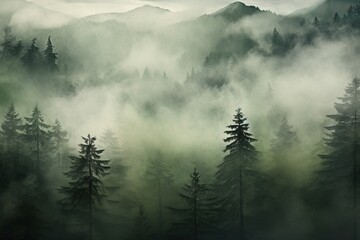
(32, 57)
(141, 224)
(285, 137)
(160, 174)
(8, 44)
(198, 217)
(316, 22)
(49, 56)
(10, 134)
(340, 171)
(146, 74)
(11, 129)
(59, 141)
(109, 141)
(278, 44)
(233, 171)
(37, 136)
(85, 191)
(336, 18)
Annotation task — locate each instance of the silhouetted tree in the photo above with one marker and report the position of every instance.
(278, 44)
(59, 141)
(233, 171)
(108, 140)
(10, 133)
(336, 18)
(37, 136)
(85, 191)
(11, 129)
(316, 22)
(141, 224)
(49, 56)
(160, 174)
(32, 58)
(285, 137)
(8, 44)
(198, 217)
(340, 171)
(146, 74)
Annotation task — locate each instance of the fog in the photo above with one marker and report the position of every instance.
(152, 86)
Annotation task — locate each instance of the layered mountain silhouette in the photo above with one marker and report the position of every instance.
(327, 9)
(236, 11)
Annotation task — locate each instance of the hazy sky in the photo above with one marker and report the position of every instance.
(79, 8)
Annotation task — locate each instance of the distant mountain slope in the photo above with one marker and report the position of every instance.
(235, 11)
(142, 18)
(327, 9)
(35, 16)
(24, 15)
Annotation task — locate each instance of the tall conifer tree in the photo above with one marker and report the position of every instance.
(340, 171)
(198, 216)
(85, 192)
(36, 133)
(233, 171)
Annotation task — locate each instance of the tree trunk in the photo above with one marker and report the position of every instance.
(90, 195)
(355, 168)
(38, 154)
(241, 199)
(195, 217)
(160, 209)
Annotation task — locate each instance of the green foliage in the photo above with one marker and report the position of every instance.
(32, 59)
(10, 49)
(233, 172)
(342, 138)
(37, 136)
(85, 191)
(50, 57)
(199, 215)
(11, 129)
(285, 138)
(141, 224)
(59, 141)
(339, 175)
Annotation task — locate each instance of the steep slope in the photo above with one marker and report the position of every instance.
(236, 11)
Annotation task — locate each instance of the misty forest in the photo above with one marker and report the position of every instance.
(240, 123)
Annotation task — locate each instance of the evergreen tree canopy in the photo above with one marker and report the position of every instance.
(285, 137)
(339, 175)
(278, 43)
(85, 186)
(340, 165)
(198, 217)
(109, 141)
(59, 140)
(141, 224)
(49, 56)
(336, 18)
(8, 44)
(232, 172)
(32, 58)
(36, 134)
(85, 191)
(11, 129)
(316, 22)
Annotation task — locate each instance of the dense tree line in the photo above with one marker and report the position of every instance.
(243, 201)
(31, 57)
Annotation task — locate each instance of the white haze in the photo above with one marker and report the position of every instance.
(306, 84)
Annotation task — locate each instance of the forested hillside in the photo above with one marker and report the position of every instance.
(237, 124)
